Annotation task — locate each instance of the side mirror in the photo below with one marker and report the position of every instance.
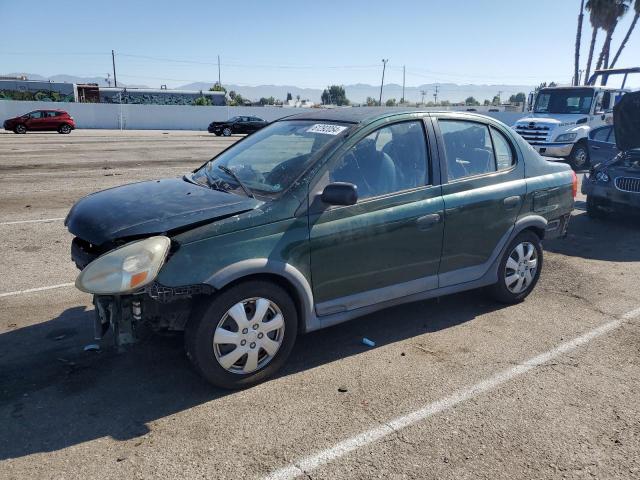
(340, 193)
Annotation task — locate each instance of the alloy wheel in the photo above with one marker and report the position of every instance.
(226, 132)
(65, 129)
(249, 335)
(21, 129)
(521, 267)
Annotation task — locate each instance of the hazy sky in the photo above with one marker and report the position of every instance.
(308, 44)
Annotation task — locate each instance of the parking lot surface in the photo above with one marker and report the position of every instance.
(457, 387)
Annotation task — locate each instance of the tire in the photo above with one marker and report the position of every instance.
(227, 132)
(20, 129)
(64, 129)
(579, 158)
(507, 290)
(593, 207)
(214, 322)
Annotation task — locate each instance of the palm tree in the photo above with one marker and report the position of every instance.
(576, 65)
(615, 10)
(636, 7)
(596, 10)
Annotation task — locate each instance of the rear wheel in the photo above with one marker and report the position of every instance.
(579, 158)
(244, 335)
(227, 132)
(64, 129)
(20, 129)
(519, 269)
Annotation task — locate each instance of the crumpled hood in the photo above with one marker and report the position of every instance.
(626, 121)
(151, 207)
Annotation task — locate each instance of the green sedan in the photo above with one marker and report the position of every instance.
(312, 221)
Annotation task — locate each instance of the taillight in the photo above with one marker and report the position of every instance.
(574, 189)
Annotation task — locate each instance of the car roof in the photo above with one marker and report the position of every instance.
(364, 115)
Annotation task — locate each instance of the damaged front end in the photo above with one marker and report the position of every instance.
(158, 307)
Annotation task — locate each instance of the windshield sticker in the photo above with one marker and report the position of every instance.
(326, 129)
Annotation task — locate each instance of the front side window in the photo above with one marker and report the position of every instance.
(35, 114)
(391, 159)
(468, 148)
(269, 160)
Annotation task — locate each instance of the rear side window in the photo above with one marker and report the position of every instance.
(602, 134)
(468, 148)
(503, 150)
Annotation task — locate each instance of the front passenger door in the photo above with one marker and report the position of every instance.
(483, 195)
(388, 244)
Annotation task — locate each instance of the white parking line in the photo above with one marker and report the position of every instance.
(42, 220)
(305, 465)
(39, 289)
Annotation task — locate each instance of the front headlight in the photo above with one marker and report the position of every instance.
(602, 177)
(566, 137)
(125, 269)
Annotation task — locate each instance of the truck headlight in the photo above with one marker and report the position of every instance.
(566, 137)
(125, 269)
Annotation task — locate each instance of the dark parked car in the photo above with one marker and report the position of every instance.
(41, 120)
(240, 124)
(613, 182)
(314, 220)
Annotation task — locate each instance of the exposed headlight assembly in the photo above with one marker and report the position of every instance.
(602, 177)
(125, 269)
(566, 137)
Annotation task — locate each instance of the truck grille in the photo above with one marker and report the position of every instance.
(628, 184)
(533, 133)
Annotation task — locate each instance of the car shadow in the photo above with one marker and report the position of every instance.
(53, 394)
(615, 238)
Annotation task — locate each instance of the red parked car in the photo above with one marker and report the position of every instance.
(41, 120)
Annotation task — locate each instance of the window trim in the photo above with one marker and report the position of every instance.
(444, 167)
(509, 145)
(428, 155)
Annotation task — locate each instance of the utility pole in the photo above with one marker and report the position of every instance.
(219, 83)
(113, 61)
(384, 66)
(403, 77)
(435, 95)
(499, 95)
(108, 79)
(423, 93)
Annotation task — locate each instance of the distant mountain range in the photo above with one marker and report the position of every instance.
(357, 93)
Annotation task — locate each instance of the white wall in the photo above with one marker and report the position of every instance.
(166, 117)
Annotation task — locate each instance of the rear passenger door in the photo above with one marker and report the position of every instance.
(483, 191)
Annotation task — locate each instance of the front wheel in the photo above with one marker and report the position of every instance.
(226, 132)
(243, 336)
(579, 158)
(519, 269)
(20, 129)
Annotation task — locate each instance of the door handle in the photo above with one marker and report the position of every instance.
(428, 221)
(595, 147)
(512, 202)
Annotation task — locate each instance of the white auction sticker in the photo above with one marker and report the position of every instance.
(326, 128)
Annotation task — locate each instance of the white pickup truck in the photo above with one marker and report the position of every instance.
(562, 117)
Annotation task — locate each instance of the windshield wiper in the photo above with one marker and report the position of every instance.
(231, 173)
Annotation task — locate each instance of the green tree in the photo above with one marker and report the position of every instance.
(289, 96)
(518, 98)
(334, 95)
(596, 9)
(445, 103)
(486, 102)
(202, 101)
(371, 102)
(636, 8)
(576, 59)
(470, 101)
(217, 88)
(391, 102)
